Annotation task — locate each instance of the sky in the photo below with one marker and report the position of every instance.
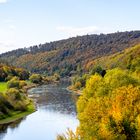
(24, 23)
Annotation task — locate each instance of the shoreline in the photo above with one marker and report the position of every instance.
(77, 92)
(19, 115)
(31, 107)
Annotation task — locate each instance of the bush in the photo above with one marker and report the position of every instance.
(56, 77)
(14, 94)
(13, 83)
(79, 82)
(117, 78)
(22, 84)
(99, 70)
(77, 85)
(22, 74)
(36, 78)
(70, 135)
(17, 99)
(8, 78)
(4, 105)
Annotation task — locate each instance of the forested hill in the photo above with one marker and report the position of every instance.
(70, 55)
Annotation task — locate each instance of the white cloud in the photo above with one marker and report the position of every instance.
(3, 1)
(73, 31)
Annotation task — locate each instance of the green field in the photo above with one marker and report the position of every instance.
(3, 86)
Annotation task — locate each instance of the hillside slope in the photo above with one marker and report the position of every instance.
(126, 59)
(67, 56)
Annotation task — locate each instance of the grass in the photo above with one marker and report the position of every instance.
(3, 86)
(16, 115)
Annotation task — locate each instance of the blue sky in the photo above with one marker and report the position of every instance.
(29, 22)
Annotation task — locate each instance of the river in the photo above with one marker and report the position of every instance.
(55, 113)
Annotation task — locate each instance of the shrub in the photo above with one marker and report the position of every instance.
(70, 135)
(8, 78)
(14, 94)
(36, 78)
(99, 70)
(22, 84)
(77, 85)
(79, 82)
(56, 77)
(4, 105)
(21, 106)
(13, 83)
(116, 78)
(18, 100)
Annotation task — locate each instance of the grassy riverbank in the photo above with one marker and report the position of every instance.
(20, 104)
(16, 115)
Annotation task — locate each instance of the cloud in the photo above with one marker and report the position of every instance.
(3, 1)
(72, 31)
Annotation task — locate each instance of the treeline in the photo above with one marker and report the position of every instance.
(67, 57)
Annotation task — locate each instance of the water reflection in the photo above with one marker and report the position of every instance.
(12, 126)
(56, 99)
(56, 112)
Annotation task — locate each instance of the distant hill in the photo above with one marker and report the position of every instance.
(127, 59)
(68, 56)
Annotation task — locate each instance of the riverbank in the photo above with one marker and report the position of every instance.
(16, 115)
(13, 116)
(77, 92)
(29, 86)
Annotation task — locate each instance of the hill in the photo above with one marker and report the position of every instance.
(66, 57)
(127, 59)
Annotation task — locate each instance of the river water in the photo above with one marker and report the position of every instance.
(55, 113)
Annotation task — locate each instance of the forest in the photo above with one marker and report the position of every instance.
(68, 56)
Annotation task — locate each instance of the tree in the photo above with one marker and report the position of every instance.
(110, 107)
(99, 70)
